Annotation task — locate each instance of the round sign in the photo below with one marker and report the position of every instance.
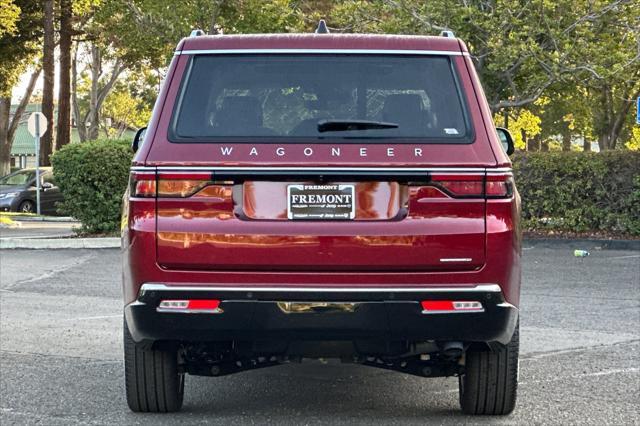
(37, 124)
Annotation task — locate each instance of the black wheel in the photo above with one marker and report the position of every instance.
(490, 382)
(27, 207)
(153, 384)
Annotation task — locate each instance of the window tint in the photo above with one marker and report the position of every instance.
(18, 178)
(286, 96)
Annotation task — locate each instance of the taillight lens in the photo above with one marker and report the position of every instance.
(143, 184)
(177, 185)
(499, 185)
(462, 186)
(180, 185)
(179, 188)
(468, 186)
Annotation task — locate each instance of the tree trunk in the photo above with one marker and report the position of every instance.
(612, 116)
(8, 125)
(5, 142)
(93, 113)
(544, 144)
(63, 135)
(80, 123)
(566, 140)
(586, 144)
(89, 126)
(46, 141)
(213, 27)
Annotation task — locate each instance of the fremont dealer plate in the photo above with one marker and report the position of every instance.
(320, 202)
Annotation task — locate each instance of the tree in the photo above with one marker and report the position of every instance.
(63, 127)
(520, 47)
(608, 44)
(48, 68)
(100, 84)
(125, 111)
(18, 48)
(9, 14)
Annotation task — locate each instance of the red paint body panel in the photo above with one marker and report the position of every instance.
(320, 41)
(243, 239)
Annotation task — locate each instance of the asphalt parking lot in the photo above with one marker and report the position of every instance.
(61, 362)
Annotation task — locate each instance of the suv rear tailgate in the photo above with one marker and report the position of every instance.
(400, 223)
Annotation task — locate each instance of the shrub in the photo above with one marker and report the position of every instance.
(580, 192)
(92, 177)
(563, 191)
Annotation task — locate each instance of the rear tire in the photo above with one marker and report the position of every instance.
(27, 207)
(152, 381)
(490, 382)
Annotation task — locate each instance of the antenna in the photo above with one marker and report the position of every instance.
(447, 34)
(322, 27)
(196, 33)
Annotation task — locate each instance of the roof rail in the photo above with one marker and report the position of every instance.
(196, 33)
(447, 34)
(322, 27)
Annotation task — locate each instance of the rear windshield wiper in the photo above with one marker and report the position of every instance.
(345, 125)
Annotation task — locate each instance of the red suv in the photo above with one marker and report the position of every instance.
(321, 195)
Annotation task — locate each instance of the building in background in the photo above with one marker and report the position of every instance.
(23, 152)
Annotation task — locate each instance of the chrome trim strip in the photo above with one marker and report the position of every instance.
(455, 259)
(488, 288)
(333, 169)
(500, 170)
(321, 51)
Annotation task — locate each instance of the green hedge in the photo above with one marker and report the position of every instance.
(570, 192)
(93, 177)
(580, 192)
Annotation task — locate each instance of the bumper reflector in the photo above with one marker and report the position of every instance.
(449, 306)
(210, 306)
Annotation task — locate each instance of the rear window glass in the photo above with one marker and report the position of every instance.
(324, 96)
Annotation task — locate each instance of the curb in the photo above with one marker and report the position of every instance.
(30, 217)
(62, 219)
(587, 243)
(59, 243)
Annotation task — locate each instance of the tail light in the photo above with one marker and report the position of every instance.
(499, 185)
(467, 186)
(181, 185)
(143, 184)
(177, 185)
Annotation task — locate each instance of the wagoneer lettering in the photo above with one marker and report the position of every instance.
(321, 196)
(320, 152)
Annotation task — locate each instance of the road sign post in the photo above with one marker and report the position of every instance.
(638, 111)
(37, 125)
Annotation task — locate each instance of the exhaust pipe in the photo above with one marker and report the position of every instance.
(453, 350)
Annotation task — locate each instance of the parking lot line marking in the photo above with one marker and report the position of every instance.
(92, 318)
(624, 257)
(583, 375)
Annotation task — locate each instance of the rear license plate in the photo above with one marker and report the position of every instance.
(325, 202)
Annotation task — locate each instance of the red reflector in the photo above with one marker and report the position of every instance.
(437, 305)
(204, 304)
